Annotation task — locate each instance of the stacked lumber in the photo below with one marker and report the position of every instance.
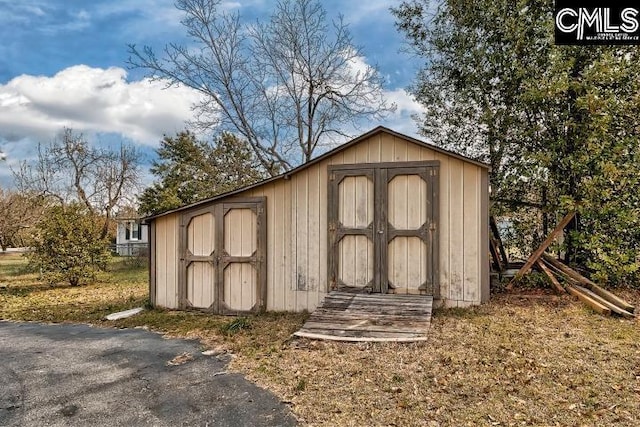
(596, 297)
(565, 279)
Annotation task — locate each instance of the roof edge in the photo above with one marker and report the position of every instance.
(369, 134)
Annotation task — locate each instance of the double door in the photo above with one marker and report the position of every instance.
(222, 262)
(383, 229)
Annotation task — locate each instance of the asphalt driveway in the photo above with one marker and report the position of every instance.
(80, 375)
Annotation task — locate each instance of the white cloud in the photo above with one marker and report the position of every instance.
(92, 100)
(401, 120)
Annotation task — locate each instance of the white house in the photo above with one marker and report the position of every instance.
(132, 237)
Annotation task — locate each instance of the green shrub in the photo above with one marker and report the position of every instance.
(67, 245)
(236, 325)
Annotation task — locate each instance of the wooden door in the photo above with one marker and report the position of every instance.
(383, 227)
(223, 267)
(410, 234)
(241, 262)
(352, 256)
(198, 262)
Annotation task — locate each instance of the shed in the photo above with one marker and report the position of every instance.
(382, 213)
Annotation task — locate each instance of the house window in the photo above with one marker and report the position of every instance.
(133, 231)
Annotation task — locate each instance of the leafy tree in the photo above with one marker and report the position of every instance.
(70, 169)
(558, 124)
(68, 245)
(190, 170)
(18, 214)
(285, 86)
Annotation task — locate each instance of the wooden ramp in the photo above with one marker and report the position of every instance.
(348, 316)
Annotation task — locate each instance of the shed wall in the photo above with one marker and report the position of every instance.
(166, 260)
(297, 229)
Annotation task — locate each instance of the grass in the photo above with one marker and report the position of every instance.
(538, 360)
(23, 296)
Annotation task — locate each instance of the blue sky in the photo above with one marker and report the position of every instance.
(63, 63)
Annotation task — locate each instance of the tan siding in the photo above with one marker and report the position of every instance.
(301, 281)
(444, 227)
(374, 149)
(386, 148)
(484, 236)
(456, 230)
(323, 283)
(400, 147)
(471, 233)
(166, 246)
(313, 233)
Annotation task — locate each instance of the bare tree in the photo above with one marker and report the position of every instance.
(69, 169)
(285, 86)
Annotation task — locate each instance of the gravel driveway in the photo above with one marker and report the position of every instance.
(80, 375)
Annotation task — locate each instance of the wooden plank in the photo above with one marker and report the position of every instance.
(472, 232)
(589, 284)
(543, 247)
(335, 315)
(339, 315)
(321, 336)
(362, 152)
(248, 286)
(271, 262)
(595, 305)
(400, 146)
(372, 316)
(373, 144)
(302, 239)
(614, 308)
(293, 242)
(289, 250)
(220, 244)
(386, 152)
(386, 148)
(381, 236)
(333, 206)
(558, 287)
(362, 326)
(323, 199)
(382, 302)
(366, 334)
(495, 256)
(456, 230)
(153, 288)
(496, 236)
(368, 297)
(172, 261)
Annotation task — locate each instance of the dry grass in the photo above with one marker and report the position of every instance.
(540, 360)
(24, 297)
